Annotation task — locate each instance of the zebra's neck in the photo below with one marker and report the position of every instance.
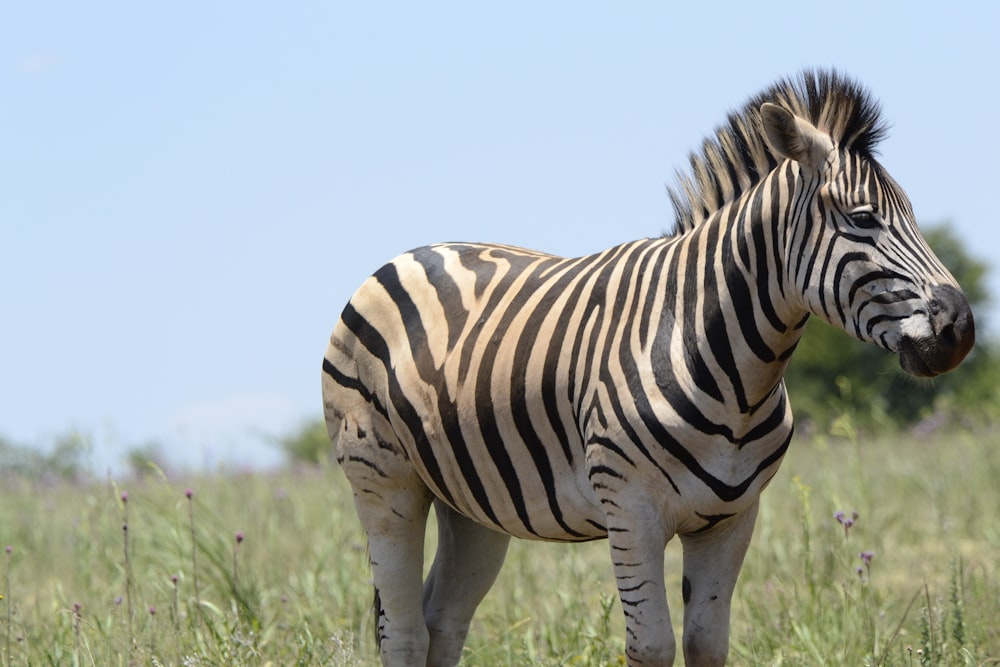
(727, 327)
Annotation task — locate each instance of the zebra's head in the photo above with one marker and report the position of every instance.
(852, 253)
(856, 252)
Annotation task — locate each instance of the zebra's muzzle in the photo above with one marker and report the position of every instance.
(954, 334)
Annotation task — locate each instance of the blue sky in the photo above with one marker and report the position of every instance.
(192, 191)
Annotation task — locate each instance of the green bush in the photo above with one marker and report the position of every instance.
(308, 444)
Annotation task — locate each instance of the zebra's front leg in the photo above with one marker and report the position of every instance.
(637, 540)
(712, 562)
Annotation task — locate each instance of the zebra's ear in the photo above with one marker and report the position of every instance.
(794, 138)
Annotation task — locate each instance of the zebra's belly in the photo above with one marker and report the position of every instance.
(548, 499)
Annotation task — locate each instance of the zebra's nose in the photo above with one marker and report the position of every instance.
(954, 334)
(952, 321)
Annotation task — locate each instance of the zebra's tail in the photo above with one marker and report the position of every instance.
(377, 614)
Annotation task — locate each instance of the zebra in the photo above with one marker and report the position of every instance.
(634, 394)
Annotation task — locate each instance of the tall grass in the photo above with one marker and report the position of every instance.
(294, 587)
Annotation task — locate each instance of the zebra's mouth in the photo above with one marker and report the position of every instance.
(911, 361)
(954, 335)
(930, 357)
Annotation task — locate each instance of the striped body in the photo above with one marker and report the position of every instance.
(483, 400)
(635, 394)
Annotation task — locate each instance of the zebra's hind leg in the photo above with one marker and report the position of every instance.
(392, 504)
(469, 557)
(712, 562)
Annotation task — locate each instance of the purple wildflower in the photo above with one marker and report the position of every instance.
(236, 548)
(866, 560)
(846, 521)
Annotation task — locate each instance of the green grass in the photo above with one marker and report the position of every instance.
(296, 591)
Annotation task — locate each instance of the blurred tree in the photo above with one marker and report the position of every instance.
(68, 456)
(832, 374)
(16, 460)
(65, 460)
(145, 459)
(308, 444)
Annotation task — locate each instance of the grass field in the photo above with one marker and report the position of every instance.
(161, 578)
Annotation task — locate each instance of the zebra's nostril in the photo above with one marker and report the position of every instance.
(949, 336)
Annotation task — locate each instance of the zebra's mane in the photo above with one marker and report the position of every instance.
(737, 156)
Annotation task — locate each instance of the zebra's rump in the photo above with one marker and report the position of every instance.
(448, 345)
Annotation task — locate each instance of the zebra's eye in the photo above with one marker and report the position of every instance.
(866, 217)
